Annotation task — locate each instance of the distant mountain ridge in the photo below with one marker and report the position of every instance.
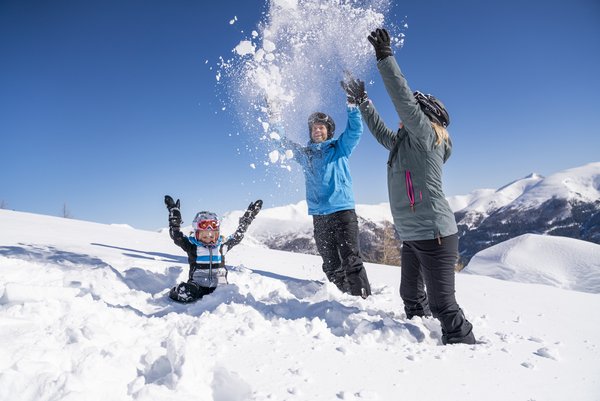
(566, 204)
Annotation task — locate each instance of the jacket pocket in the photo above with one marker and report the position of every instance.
(410, 190)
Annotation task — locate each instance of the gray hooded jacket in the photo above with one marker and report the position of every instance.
(419, 207)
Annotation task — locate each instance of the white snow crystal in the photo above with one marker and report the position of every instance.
(244, 47)
(268, 46)
(274, 156)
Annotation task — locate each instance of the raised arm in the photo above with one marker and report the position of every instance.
(286, 143)
(417, 124)
(356, 94)
(380, 131)
(245, 222)
(175, 223)
(354, 129)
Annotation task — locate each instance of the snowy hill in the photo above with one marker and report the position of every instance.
(558, 261)
(84, 315)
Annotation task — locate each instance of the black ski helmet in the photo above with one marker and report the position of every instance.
(433, 108)
(321, 118)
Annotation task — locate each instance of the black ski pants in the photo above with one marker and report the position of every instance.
(336, 236)
(427, 286)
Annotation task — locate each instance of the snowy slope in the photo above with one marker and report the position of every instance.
(558, 261)
(580, 184)
(488, 200)
(84, 316)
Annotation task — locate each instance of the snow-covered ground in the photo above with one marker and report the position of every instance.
(84, 315)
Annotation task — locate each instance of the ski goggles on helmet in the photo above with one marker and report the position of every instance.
(319, 118)
(208, 225)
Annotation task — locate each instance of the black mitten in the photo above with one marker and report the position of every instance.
(251, 212)
(380, 39)
(174, 213)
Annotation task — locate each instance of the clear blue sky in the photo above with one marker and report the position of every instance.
(108, 105)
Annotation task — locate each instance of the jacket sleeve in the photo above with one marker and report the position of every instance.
(380, 131)
(179, 239)
(286, 143)
(235, 238)
(416, 122)
(354, 129)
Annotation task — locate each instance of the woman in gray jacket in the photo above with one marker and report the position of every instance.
(422, 216)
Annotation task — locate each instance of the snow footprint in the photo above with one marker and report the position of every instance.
(550, 353)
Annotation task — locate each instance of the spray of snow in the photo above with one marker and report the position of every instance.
(292, 63)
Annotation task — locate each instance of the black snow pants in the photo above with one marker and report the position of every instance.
(429, 265)
(336, 236)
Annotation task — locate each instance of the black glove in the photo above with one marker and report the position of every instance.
(355, 89)
(251, 212)
(380, 39)
(174, 213)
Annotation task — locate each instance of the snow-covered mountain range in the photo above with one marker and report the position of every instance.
(84, 315)
(566, 203)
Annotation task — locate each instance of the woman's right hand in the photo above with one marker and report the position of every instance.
(380, 39)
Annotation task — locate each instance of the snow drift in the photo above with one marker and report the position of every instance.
(558, 261)
(84, 314)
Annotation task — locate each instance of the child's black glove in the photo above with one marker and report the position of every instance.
(354, 88)
(174, 213)
(251, 212)
(380, 39)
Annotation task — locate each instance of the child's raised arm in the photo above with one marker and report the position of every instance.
(245, 222)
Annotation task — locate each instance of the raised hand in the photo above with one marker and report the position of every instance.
(354, 88)
(253, 209)
(174, 213)
(380, 39)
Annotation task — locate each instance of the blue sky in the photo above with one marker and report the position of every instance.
(106, 106)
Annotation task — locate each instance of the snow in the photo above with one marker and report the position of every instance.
(294, 60)
(378, 213)
(558, 261)
(579, 183)
(84, 315)
(487, 200)
(244, 47)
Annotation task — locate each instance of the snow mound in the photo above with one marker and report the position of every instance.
(557, 261)
(84, 315)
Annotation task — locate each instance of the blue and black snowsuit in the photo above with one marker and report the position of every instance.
(207, 262)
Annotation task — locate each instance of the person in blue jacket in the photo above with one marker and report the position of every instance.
(330, 199)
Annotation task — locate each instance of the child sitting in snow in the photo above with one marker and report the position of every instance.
(205, 248)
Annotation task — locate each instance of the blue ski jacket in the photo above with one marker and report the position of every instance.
(325, 167)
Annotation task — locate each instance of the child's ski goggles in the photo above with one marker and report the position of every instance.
(208, 225)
